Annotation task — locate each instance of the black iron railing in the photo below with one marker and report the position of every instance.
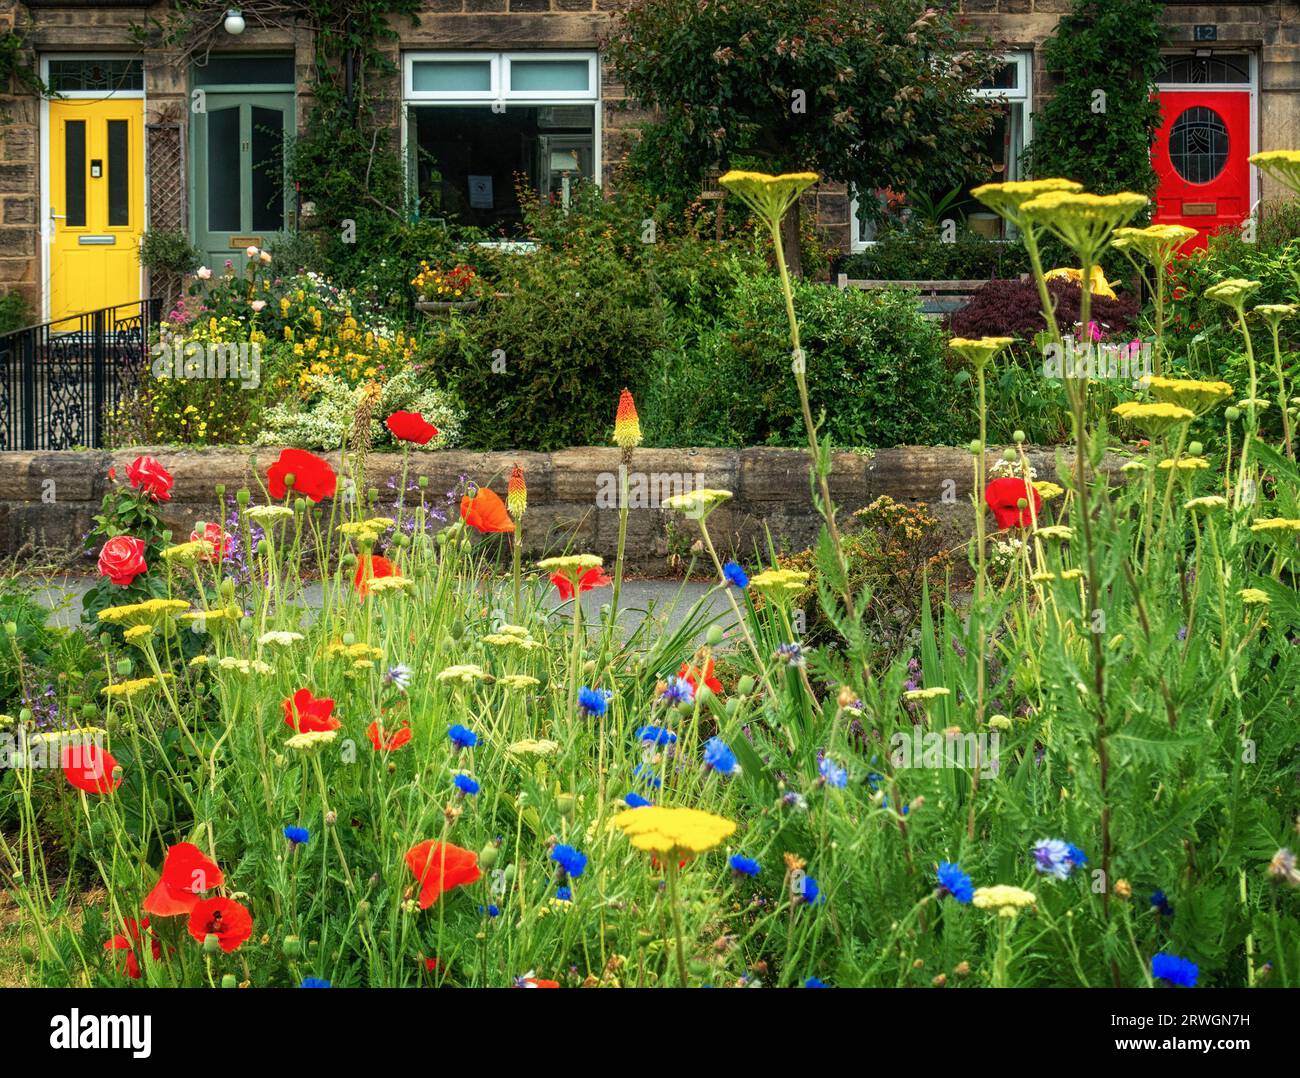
(58, 380)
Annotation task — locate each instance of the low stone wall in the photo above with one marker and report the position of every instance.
(48, 499)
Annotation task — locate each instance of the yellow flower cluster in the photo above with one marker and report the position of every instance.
(673, 832)
(150, 612)
(1007, 900)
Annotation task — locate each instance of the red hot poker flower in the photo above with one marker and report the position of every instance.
(312, 477)
(694, 675)
(593, 578)
(440, 866)
(305, 714)
(224, 918)
(186, 872)
(89, 768)
(486, 512)
(129, 941)
(148, 475)
(371, 567)
(411, 427)
(1003, 495)
(389, 742)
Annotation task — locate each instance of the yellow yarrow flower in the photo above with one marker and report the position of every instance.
(926, 694)
(697, 504)
(138, 634)
(1062, 532)
(1083, 221)
(1253, 597)
(149, 612)
(1190, 393)
(1282, 165)
(767, 195)
(130, 688)
(518, 681)
(780, 583)
(466, 673)
(1048, 490)
(311, 740)
(1155, 417)
(1276, 524)
(190, 553)
(571, 564)
(673, 832)
(1232, 292)
(1007, 900)
(979, 351)
(1156, 243)
(532, 746)
(1209, 502)
(1006, 199)
(1185, 464)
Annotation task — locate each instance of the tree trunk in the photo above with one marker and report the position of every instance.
(790, 240)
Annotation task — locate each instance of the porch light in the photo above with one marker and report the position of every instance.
(234, 21)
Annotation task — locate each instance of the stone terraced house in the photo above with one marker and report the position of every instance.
(488, 88)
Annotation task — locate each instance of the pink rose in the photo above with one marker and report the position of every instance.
(204, 273)
(258, 304)
(122, 559)
(217, 537)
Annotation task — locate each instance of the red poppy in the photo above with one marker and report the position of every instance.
(186, 871)
(130, 943)
(122, 559)
(528, 981)
(1002, 496)
(221, 542)
(388, 742)
(221, 917)
(411, 427)
(486, 512)
(89, 768)
(371, 567)
(440, 866)
(593, 578)
(693, 675)
(307, 714)
(148, 475)
(312, 477)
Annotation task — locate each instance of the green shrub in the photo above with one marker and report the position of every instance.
(918, 254)
(875, 364)
(14, 312)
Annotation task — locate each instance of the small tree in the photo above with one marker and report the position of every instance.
(1098, 126)
(876, 94)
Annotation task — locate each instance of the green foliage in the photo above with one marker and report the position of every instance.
(917, 253)
(875, 364)
(168, 251)
(1112, 46)
(14, 312)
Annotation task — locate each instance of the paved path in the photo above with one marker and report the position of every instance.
(669, 599)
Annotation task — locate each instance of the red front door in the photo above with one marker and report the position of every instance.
(1200, 156)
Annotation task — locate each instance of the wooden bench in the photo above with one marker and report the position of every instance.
(938, 298)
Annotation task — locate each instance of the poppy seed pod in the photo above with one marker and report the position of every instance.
(228, 981)
(566, 804)
(1195, 448)
(422, 482)
(714, 636)
(211, 944)
(11, 628)
(25, 716)
(745, 685)
(1009, 455)
(221, 490)
(487, 856)
(1232, 413)
(242, 498)
(124, 667)
(292, 947)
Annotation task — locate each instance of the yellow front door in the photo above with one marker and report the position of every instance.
(96, 203)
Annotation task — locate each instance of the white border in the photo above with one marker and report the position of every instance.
(1022, 94)
(43, 229)
(409, 93)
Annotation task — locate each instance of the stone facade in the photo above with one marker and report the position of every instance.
(47, 499)
(1270, 30)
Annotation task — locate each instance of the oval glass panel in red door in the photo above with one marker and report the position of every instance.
(1200, 156)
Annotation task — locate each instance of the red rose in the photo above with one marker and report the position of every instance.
(148, 475)
(221, 542)
(312, 477)
(411, 427)
(221, 917)
(122, 559)
(308, 714)
(186, 871)
(1003, 497)
(89, 768)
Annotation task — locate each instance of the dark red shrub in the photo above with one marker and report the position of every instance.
(1012, 309)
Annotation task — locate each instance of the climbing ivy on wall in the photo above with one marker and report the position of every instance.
(1099, 124)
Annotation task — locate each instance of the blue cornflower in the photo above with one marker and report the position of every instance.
(813, 982)
(574, 862)
(314, 982)
(564, 894)
(953, 880)
(466, 785)
(677, 690)
(735, 575)
(1175, 970)
(1161, 903)
(399, 675)
(491, 911)
(1075, 855)
(636, 801)
(593, 703)
(719, 757)
(462, 737)
(647, 775)
(743, 866)
(790, 654)
(297, 835)
(655, 735)
(831, 772)
(810, 892)
(874, 779)
(1052, 858)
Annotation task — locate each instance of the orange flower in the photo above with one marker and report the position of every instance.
(440, 866)
(517, 493)
(486, 512)
(694, 675)
(388, 742)
(371, 567)
(627, 427)
(592, 578)
(224, 918)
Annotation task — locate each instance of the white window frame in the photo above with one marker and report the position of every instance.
(1023, 94)
(500, 64)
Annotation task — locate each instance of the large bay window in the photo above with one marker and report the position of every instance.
(1010, 87)
(479, 122)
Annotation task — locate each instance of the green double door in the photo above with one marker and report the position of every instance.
(240, 195)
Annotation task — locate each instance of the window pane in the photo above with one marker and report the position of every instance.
(452, 75)
(72, 75)
(223, 165)
(244, 71)
(556, 75)
(119, 175)
(268, 170)
(1225, 67)
(1007, 77)
(468, 158)
(74, 165)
